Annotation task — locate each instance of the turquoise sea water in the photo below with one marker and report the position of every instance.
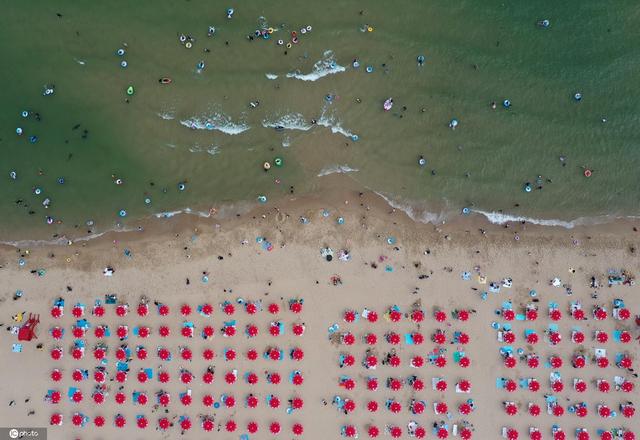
(475, 53)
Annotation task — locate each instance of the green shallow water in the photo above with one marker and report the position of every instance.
(476, 53)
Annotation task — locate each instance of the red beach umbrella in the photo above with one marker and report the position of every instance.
(252, 378)
(78, 332)
(555, 361)
(441, 385)
(393, 338)
(297, 379)
(164, 399)
(275, 378)
(418, 385)
(604, 411)
(418, 407)
(625, 337)
(370, 339)
(534, 410)
(99, 332)
(464, 385)
(143, 332)
(164, 423)
(208, 354)
(580, 386)
(395, 407)
(186, 377)
(577, 337)
(512, 434)
(142, 310)
(441, 408)
(141, 353)
(624, 314)
(600, 314)
(555, 315)
(510, 385)
(443, 433)
(185, 424)
(77, 354)
(463, 338)
(297, 428)
(56, 419)
(295, 307)
(417, 316)
(274, 402)
(583, 435)
(350, 406)
(187, 332)
(465, 434)
(76, 375)
(464, 362)
(77, 311)
(56, 333)
(164, 331)
(557, 386)
(373, 431)
(230, 354)
(348, 360)
(350, 431)
(121, 376)
(372, 405)
(578, 314)
(555, 338)
(417, 338)
(252, 401)
(185, 310)
(98, 421)
(463, 315)
(510, 362)
(395, 384)
(77, 397)
(297, 354)
(625, 362)
(464, 409)
(395, 316)
(98, 311)
(559, 435)
(349, 339)
(606, 435)
(603, 362)
(628, 411)
(509, 337)
(558, 411)
(120, 421)
(417, 361)
(56, 375)
(627, 386)
(602, 337)
(142, 422)
(98, 398)
(99, 353)
(440, 316)
(273, 308)
(372, 384)
(230, 378)
(533, 362)
(531, 315)
(535, 435)
(508, 315)
(208, 425)
(297, 403)
(163, 310)
(207, 309)
(395, 431)
(274, 428)
(142, 399)
(511, 409)
(163, 377)
(120, 398)
(440, 361)
(438, 337)
(581, 411)
(603, 386)
(98, 376)
(186, 354)
(349, 316)
(298, 330)
(252, 427)
(121, 310)
(578, 362)
(77, 419)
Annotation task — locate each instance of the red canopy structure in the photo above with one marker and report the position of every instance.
(373, 431)
(297, 429)
(98, 421)
(274, 428)
(27, 331)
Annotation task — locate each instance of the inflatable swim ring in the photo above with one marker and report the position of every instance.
(19, 131)
(309, 28)
(294, 40)
(120, 52)
(506, 103)
(182, 38)
(355, 137)
(61, 180)
(466, 211)
(182, 186)
(355, 64)
(288, 45)
(123, 63)
(270, 30)
(262, 199)
(369, 69)
(369, 28)
(188, 45)
(24, 113)
(577, 96)
(266, 166)
(37, 191)
(280, 42)
(341, 220)
(130, 90)
(13, 174)
(278, 161)
(587, 172)
(122, 213)
(165, 80)
(527, 187)
(303, 30)
(294, 34)
(422, 161)
(147, 201)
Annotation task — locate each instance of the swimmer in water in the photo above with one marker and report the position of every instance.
(422, 161)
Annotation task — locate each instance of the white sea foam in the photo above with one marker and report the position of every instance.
(215, 121)
(323, 67)
(500, 218)
(414, 212)
(166, 115)
(290, 121)
(213, 150)
(336, 169)
(334, 125)
(271, 75)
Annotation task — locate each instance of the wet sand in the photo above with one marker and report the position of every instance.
(424, 264)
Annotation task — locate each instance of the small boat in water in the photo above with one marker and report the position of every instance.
(387, 104)
(165, 80)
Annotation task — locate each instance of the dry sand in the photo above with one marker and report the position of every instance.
(165, 256)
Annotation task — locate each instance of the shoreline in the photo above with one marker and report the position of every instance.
(337, 189)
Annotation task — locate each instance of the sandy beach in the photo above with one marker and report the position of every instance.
(386, 260)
